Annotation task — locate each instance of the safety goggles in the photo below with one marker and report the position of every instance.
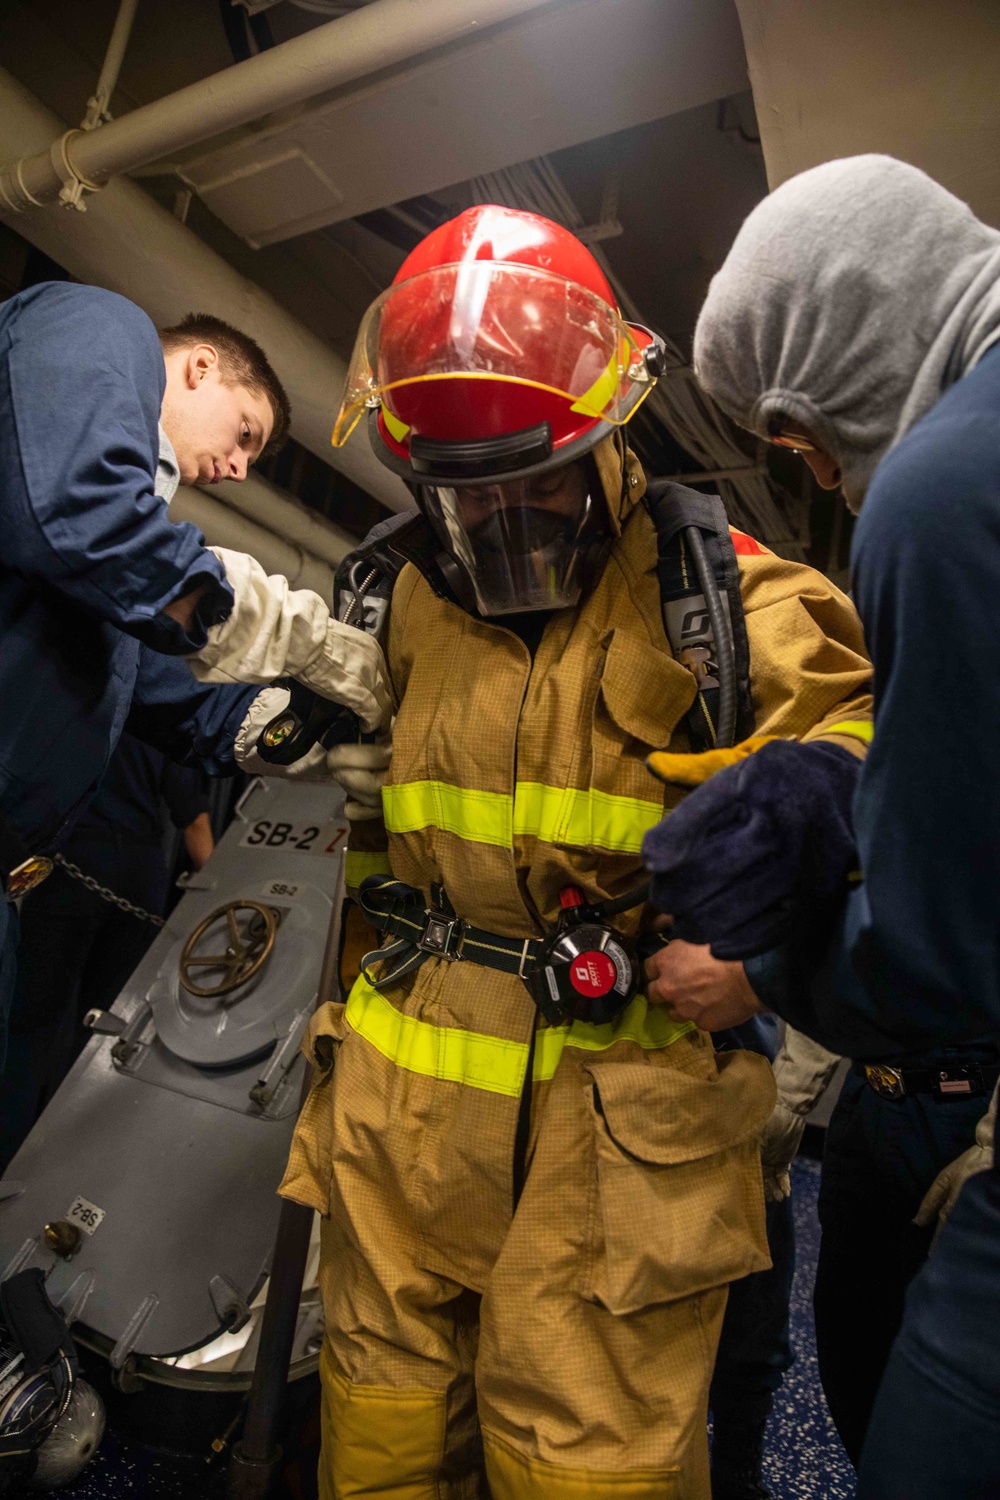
(783, 437)
(497, 322)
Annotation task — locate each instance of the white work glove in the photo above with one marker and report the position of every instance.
(274, 631)
(361, 770)
(942, 1195)
(802, 1071)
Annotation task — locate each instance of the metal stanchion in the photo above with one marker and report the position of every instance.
(257, 1456)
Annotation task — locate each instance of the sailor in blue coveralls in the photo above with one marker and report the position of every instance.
(110, 614)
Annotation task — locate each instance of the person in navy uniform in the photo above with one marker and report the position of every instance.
(110, 614)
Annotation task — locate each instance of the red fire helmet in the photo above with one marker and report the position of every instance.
(498, 349)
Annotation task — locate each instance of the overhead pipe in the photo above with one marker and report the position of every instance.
(129, 244)
(354, 46)
(265, 504)
(223, 527)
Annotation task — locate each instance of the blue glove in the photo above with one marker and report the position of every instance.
(759, 853)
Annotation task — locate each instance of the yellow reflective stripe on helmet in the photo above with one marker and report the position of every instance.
(862, 729)
(595, 402)
(396, 428)
(563, 815)
(481, 817)
(360, 863)
(592, 819)
(490, 1062)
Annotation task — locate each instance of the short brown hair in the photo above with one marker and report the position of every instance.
(241, 362)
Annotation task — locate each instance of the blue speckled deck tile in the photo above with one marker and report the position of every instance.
(804, 1459)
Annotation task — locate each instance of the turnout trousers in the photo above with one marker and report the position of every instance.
(561, 1350)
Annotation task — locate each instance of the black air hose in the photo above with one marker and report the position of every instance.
(725, 734)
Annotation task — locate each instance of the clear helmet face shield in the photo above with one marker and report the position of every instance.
(527, 544)
(466, 351)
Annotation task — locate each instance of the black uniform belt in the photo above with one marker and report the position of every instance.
(436, 932)
(945, 1080)
(20, 870)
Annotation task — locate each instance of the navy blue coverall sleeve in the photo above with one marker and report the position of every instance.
(183, 791)
(193, 723)
(918, 961)
(81, 384)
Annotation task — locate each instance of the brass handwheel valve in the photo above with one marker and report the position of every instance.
(249, 933)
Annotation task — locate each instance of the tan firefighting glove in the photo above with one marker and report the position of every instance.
(361, 770)
(802, 1071)
(274, 631)
(942, 1195)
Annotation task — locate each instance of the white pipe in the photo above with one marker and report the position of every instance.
(367, 40)
(223, 527)
(97, 104)
(264, 503)
(129, 244)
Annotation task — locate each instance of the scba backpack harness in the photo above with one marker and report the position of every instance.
(584, 969)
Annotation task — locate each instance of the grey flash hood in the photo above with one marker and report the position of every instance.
(852, 298)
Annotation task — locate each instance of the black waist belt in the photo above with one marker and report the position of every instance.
(944, 1081)
(421, 933)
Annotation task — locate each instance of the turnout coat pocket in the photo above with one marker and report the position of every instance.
(310, 1163)
(680, 1204)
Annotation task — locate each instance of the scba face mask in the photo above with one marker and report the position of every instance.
(527, 544)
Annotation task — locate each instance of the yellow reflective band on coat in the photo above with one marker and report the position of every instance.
(490, 1062)
(590, 819)
(862, 729)
(481, 817)
(564, 815)
(361, 863)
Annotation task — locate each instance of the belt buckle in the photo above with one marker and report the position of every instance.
(437, 935)
(887, 1082)
(25, 876)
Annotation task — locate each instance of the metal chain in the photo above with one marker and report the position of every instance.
(105, 894)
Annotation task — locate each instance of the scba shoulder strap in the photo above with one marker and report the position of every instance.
(364, 580)
(702, 605)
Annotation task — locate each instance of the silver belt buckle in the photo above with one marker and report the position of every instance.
(437, 935)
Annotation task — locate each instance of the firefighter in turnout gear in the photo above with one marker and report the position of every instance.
(529, 1228)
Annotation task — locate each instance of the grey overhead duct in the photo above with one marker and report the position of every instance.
(582, 71)
(224, 527)
(265, 504)
(255, 516)
(378, 36)
(129, 244)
